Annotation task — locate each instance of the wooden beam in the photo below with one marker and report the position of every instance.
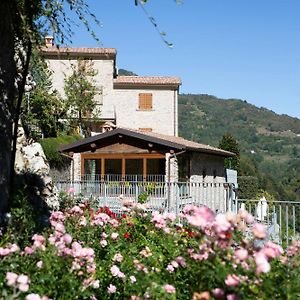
(123, 168)
(102, 168)
(82, 165)
(122, 155)
(144, 168)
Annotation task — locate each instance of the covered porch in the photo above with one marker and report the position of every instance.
(136, 167)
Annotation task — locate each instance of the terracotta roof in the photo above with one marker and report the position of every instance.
(123, 81)
(70, 51)
(167, 141)
(185, 143)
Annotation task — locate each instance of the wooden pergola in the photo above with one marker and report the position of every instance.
(126, 152)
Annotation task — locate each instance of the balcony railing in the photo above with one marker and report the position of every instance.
(126, 177)
(282, 218)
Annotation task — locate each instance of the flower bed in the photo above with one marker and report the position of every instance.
(89, 254)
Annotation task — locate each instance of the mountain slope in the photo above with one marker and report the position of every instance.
(268, 141)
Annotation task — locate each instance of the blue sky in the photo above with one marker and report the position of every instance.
(228, 48)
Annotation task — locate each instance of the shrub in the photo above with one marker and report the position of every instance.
(51, 147)
(92, 254)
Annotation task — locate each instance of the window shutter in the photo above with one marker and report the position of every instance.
(145, 101)
(145, 129)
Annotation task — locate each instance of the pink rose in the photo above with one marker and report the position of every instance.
(170, 289)
(111, 289)
(259, 231)
(241, 254)
(11, 278)
(232, 280)
(114, 235)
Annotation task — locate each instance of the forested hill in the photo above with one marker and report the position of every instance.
(269, 143)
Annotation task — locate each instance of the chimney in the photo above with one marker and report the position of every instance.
(49, 41)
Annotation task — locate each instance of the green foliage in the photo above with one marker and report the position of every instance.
(123, 72)
(229, 143)
(43, 105)
(248, 187)
(80, 91)
(86, 250)
(51, 148)
(25, 218)
(269, 143)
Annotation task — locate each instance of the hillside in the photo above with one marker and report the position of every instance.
(270, 143)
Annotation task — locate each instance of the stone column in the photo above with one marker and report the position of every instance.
(171, 181)
(172, 165)
(76, 164)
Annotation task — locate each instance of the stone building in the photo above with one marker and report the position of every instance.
(130, 155)
(138, 126)
(139, 102)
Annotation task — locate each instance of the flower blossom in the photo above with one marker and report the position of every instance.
(111, 289)
(222, 225)
(259, 231)
(232, 280)
(118, 257)
(241, 254)
(103, 243)
(272, 250)
(114, 236)
(199, 216)
(116, 272)
(33, 297)
(262, 264)
(218, 293)
(39, 264)
(170, 289)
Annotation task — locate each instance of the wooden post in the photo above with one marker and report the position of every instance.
(144, 168)
(102, 168)
(123, 168)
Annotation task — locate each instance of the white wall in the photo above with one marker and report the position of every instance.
(162, 118)
(123, 103)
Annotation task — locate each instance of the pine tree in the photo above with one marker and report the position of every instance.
(229, 143)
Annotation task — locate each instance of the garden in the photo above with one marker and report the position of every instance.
(91, 253)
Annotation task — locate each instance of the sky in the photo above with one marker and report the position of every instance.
(247, 50)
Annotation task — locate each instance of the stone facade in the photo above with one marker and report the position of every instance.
(207, 168)
(119, 102)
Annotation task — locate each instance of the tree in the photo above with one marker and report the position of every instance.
(23, 23)
(80, 91)
(229, 143)
(43, 106)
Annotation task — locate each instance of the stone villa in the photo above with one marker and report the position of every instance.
(137, 134)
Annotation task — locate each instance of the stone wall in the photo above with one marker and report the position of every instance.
(122, 104)
(207, 168)
(162, 118)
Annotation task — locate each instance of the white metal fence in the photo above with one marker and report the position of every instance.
(282, 218)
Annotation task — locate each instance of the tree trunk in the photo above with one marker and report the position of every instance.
(7, 98)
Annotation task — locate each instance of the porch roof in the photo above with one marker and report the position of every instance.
(165, 142)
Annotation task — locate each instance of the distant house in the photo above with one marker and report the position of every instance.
(126, 154)
(146, 103)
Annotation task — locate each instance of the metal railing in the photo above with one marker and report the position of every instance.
(126, 177)
(171, 196)
(282, 218)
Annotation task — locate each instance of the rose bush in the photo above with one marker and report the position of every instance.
(93, 254)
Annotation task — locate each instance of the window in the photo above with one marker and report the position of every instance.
(145, 129)
(145, 101)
